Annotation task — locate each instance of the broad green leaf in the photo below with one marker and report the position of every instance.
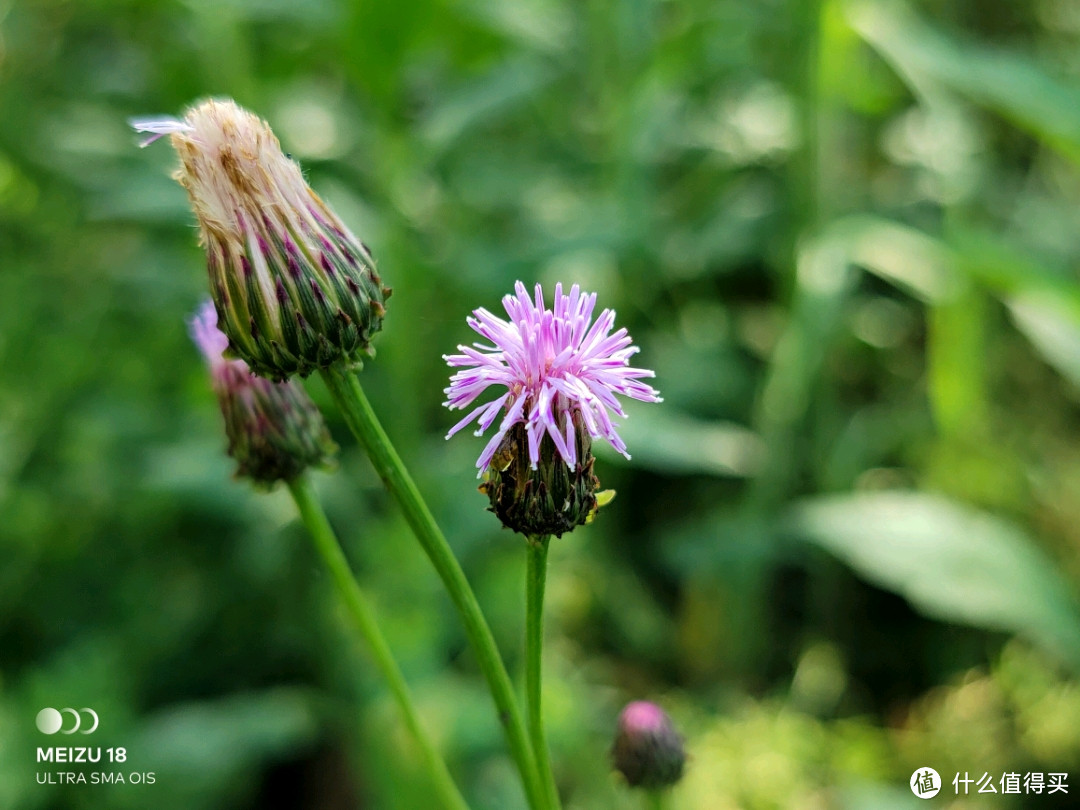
(950, 562)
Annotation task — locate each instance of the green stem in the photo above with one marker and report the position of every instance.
(535, 577)
(361, 612)
(655, 800)
(361, 419)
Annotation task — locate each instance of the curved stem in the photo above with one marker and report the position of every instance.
(535, 578)
(363, 616)
(356, 409)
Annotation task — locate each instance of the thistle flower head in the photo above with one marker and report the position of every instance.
(275, 431)
(296, 290)
(560, 370)
(648, 751)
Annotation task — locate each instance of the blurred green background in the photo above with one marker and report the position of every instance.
(844, 233)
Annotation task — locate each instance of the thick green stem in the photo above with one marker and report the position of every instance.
(535, 577)
(361, 419)
(364, 617)
(655, 800)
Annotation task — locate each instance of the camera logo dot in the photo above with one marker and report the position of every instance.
(50, 721)
(925, 783)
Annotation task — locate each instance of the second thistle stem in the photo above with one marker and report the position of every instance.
(361, 612)
(361, 418)
(535, 578)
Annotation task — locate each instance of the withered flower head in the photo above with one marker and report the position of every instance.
(294, 289)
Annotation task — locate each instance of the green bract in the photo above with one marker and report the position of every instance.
(553, 498)
(275, 431)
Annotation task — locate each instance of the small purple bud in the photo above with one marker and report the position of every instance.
(648, 751)
(275, 431)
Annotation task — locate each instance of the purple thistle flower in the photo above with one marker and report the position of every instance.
(555, 364)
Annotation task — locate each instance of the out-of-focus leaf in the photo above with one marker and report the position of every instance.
(212, 741)
(1052, 329)
(667, 441)
(1013, 85)
(933, 269)
(1008, 268)
(949, 562)
(914, 261)
(508, 84)
(1043, 299)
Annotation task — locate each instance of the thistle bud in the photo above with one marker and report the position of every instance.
(550, 498)
(648, 751)
(275, 431)
(295, 290)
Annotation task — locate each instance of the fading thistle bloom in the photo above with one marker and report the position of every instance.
(295, 290)
(648, 751)
(561, 372)
(275, 431)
